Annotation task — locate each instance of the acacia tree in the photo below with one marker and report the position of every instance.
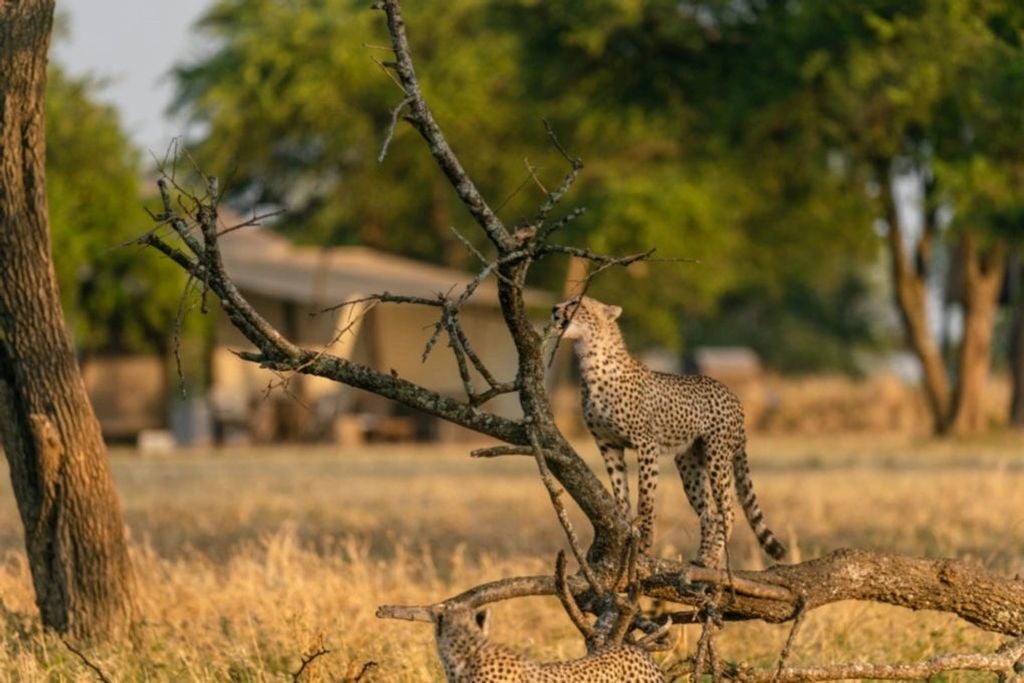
(187, 231)
(74, 534)
(895, 114)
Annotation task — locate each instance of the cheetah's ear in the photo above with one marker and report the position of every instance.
(613, 311)
(483, 620)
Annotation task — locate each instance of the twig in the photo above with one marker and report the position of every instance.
(569, 604)
(386, 298)
(512, 195)
(423, 120)
(451, 323)
(600, 259)
(493, 392)
(555, 493)
(255, 220)
(169, 215)
(179, 319)
(391, 127)
(573, 161)
(367, 668)
(549, 229)
(150, 239)
(533, 176)
(85, 660)
(308, 659)
(476, 252)
(552, 199)
(798, 620)
(387, 72)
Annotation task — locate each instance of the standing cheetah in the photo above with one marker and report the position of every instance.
(695, 418)
(468, 657)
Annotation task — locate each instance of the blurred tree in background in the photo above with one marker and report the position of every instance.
(784, 146)
(116, 298)
(291, 110)
(905, 114)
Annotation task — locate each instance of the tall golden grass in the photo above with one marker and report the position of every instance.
(248, 560)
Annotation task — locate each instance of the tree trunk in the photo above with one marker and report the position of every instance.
(983, 278)
(74, 534)
(911, 288)
(1017, 339)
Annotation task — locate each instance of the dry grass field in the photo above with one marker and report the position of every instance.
(248, 559)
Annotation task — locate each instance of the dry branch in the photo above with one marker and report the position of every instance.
(100, 675)
(983, 598)
(307, 659)
(366, 668)
(423, 120)
(569, 604)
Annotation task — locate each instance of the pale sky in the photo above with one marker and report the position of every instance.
(132, 44)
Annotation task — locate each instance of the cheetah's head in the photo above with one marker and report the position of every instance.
(583, 318)
(458, 628)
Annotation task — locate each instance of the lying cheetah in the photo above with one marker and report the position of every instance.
(468, 657)
(695, 418)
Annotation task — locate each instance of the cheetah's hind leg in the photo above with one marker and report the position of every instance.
(700, 484)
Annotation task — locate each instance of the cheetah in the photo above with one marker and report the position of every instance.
(469, 657)
(693, 417)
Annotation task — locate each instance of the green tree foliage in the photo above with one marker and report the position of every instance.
(294, 112)
(736, 134)
(115, 297)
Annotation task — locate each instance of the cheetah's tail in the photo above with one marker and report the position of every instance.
(745, 488)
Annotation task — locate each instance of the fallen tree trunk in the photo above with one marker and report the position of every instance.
(778, 594)
(987, 600)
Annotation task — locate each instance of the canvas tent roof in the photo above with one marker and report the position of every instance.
(267, 263)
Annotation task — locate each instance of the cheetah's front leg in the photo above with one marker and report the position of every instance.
(615, 463)
(647, 454)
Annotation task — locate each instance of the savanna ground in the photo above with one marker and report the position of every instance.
(247, 559)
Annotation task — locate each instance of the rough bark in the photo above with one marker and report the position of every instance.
(987, 600)
(777, 594)
(74, 534)
(983, 277)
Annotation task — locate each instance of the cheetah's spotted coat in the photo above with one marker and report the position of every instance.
(468, 657)
(693, 417)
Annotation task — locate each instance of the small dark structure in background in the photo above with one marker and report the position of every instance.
(292, 286)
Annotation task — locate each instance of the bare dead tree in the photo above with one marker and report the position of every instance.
(608, 587)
